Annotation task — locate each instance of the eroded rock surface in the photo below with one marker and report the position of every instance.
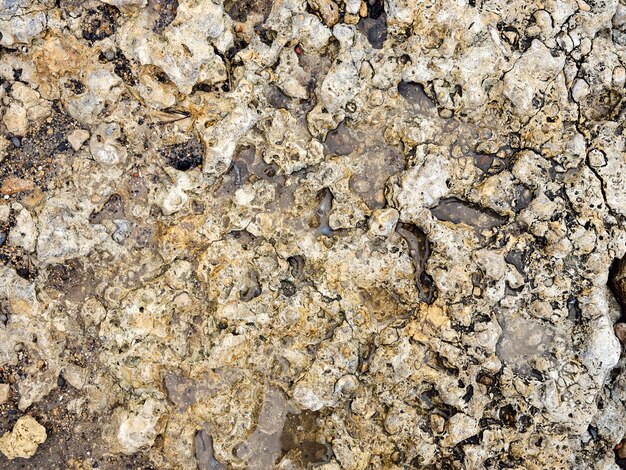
(24, 439)
(348, 234)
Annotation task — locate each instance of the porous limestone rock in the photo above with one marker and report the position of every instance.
(24, 439)
(345, 234)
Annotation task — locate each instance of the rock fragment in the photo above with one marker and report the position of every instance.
(24, 439)
(13, 185)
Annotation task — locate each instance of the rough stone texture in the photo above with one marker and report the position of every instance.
(23, 441)
(347, 234)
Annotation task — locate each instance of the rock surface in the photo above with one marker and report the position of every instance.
(349, 234)
(24, 439)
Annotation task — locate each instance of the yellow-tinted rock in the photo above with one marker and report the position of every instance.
(23, 441)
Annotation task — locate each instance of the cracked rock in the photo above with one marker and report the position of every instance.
(345, 234)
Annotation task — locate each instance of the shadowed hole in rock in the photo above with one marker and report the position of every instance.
(483, 162)
(574, 313)
(415, 94)
(296, 266)
(252, 288)
(519, 259)
(458, 211)
(419, 250)
(617, 285)
(185, 155)
(322, 213)
(287, 288)
(523, 197)
(374, 26)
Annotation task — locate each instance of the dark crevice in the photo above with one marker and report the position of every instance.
(374, 26)
(458, 211)
(419, 250)
(185, 155)
(617, 285)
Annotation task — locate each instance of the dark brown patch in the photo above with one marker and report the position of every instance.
(457, 211)
(166, 10)
(74, 281)
(185, 155)
(100, 23)
(34, 158)
(340, 141)
(300, 434)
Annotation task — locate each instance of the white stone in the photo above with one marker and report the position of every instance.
(137, 430)
(580, 90)
(25, 232)
(5, 393)
(106, 153)
(460, 427)
(383, 222)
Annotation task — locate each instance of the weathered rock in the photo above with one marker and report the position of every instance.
(337, 234)
(24, 439)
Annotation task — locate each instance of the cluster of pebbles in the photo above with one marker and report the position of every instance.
(349, 234)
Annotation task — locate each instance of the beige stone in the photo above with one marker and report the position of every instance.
(78, 138)
(24, 439)
(5, 393)
(15, 119)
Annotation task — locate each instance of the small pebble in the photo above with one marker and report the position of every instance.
(77, 138)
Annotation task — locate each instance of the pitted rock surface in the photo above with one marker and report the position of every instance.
(350, 234)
